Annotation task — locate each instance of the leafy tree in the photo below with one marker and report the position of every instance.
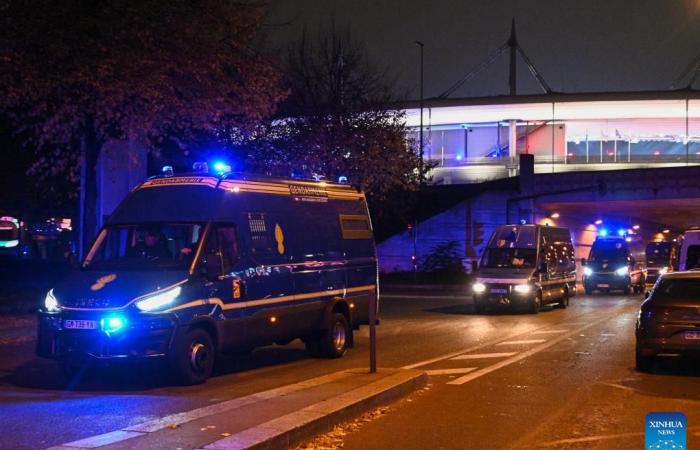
(340, 119)
(75, 75)
(444, 258)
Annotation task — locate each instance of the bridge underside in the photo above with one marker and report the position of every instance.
(673, 214)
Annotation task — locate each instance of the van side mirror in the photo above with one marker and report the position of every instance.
(584, 262)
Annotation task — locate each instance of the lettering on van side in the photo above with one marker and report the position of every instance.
(307, 191)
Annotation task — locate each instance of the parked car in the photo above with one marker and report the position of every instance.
(669, 319)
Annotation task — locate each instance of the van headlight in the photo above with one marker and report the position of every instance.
(159, 300)
(479, 288)
(622, 271)
(522, 288)
(587, 271)
(663, 271)
(50, 302)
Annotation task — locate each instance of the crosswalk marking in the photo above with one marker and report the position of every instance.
(450, 371)
(485, 355)
(550, 331)
(522, 342)
(520, 356)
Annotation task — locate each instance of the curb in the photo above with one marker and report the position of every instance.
(294, 428)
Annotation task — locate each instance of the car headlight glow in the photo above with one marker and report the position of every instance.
(622, 271)
(663, 271)
(522, 288)
(587, 271)
(479, 288)
(159, 300)
(50, 302)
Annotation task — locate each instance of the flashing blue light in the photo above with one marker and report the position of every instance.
(621, 232)
(221, 167)
(112, 324)
(603, 232)
(342, 179)
(167, 171)
(459, 157)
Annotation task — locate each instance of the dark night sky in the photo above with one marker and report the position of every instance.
(578, 46)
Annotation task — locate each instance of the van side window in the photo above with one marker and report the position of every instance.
(259, 234)
(222, 247)
(228, 243)
(355, 227)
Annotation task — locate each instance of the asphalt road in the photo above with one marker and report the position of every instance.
(558, 379)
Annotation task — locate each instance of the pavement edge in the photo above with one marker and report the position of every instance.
(314, 420)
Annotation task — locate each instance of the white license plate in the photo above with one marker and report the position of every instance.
(692, 335)
(603, 285)
(499, 291)
(71, 324)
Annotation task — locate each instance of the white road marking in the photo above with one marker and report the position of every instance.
(608, 334)
(591, 439)
(426, 297)
(450, 371)
(513, 359)
(484, 355)
(600, 437)
(480, 346)
(188, 416)
(523, 342)
(550, 331)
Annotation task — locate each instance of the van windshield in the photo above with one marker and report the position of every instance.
(610, 251)
(658, 254)
(509, 258)
(152, 246)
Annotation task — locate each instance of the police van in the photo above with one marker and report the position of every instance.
(615, 263)
(689, 250)
(526, 266)
(188, 267)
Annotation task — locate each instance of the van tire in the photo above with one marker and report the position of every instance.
(479, 307)
(193, 358)
(536, 304)
(628, 290)
(334, 341)
(564, 302)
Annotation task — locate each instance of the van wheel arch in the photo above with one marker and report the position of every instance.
(208, 325)
(338, 306)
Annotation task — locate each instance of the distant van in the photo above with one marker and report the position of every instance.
(689, 250)
(526, 266)
(188, 267)
(615, 263)
(660, 258)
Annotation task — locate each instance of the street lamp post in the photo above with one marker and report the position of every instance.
(420, 163)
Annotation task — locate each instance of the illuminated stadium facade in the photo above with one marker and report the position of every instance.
(479, 139)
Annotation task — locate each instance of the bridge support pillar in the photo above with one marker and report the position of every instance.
(512, 148)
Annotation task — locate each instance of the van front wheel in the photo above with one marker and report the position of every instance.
(334, 341)
(193, 360)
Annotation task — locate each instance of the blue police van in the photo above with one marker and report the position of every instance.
(190, 267)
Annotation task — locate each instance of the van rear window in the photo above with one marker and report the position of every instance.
(355, 227)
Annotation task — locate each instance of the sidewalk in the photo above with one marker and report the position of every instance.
(277, 418)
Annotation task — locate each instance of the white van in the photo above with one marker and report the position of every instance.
(689, 250)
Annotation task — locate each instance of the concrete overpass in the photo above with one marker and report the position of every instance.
(656, 200)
